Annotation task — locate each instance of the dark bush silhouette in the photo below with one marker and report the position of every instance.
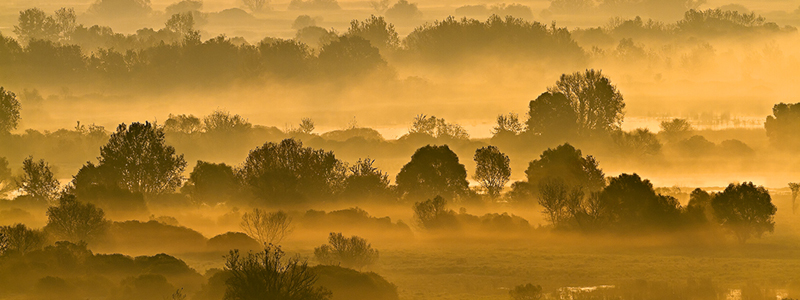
(212, 183)
(233, 240)
(782, 126)
(150, 236)
(432, 214)
(552, 116)
(265, 275)
(377, 31)
(314, 5)
(633, 205)
(432, 171)
(492, 169)
(268, 228)
(9, 111)
(74, 221)
(20, 239)
(745, 210)
(366, 182)
(353, 252)
(346, 284)
(526, 292)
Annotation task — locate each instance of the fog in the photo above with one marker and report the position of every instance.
(324, 149)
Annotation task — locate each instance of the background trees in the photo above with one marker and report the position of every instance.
(433, 171)
(492, 169)
(9, 111)
(745, 210)
(74, 221)
(138, 157)
(37, 180)
(353, 252)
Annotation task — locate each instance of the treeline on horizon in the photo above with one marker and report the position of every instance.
(53, 50)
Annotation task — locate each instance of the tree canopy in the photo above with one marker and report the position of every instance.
(433, 171)
(745, 209)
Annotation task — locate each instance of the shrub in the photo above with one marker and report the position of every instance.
(352, 252)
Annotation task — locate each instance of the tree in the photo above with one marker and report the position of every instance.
(431, 214)
(138, 157)
(403, 11)
(20, 239)
(437, 128)
(365, 181)
(676, 130)
(9, 111)
(187, 124)
(350, 56)
(306, 125)
(66, 22)
(492, 169)
(633, 205)
(265, 275)
(782, 126)
(596, 102)
(35, 24)
(433, 171)
(256, 5)
(212, 183)
(353, 252)
(745, 210)
(74, 221)
(222, 122)
(266, 228)
(377, 31)
(181, 23)
(552, 116)
(559, 202)
(698, 210)
(795, 187)
(568, 164)
(287, 172)
(37, 180)
(507, 125)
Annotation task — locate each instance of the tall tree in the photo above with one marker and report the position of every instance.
(75, 221)
(37, 180)
(433, 171)
(492, 169)
(552, 115)
(596, 102)
(568, 164)
(139, 158)
(35, 24)
(745, 210)
(9, 111)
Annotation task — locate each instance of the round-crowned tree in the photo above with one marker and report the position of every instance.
(568, 164)
(596, 102)
(745, 210)
(9, 111)
(433, 171)
(492, 169)
(140, 160)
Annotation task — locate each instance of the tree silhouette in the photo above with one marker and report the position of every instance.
(596, 102)
(350, 56)
(492, 169)
(633, 205)
(433, 171)
(74, 221)
(551, 115)
(559, 202)
(6, 179)
(507, 125)
(137, 155)
(795, 187)
(20, 239)
(287, 172)
(782, 126)
(526, 292)
(187, 124)
(568, 164)
(266, 228)
(745, 210)
(365, 181)
(676, 130)
(699, 210)
(377, 31)
(222, 122)
(265, 275)
(9, 111)
(212, 183)
(353, 252)
(437, 128)
(37, 180)
(432, 214)
(35, 24)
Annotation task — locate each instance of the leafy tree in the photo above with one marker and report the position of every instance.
(187, 124)
(222, 122)
(432, 171)
(596, 102)
(306, 125)
(366, 181)
(377, 31)
(66, 22)
(507, 125)
(403, 11)
(353, 252)
(568, 164)
(74, 221)
(181, 23)
(287, 171)
(676, 130)
(212, 183)
(265, 275)
(639, 142)
(20, 239)
(9, 111)
(745, 210)
(432, 214)
(266, 228)
(632, 204)
(795, 187)
(699, 210)
(37, 180)
(492, 169)
(35, 24)
(350, 56)
(437, 128)
(526, 292)
(551, 115)
(782, 126)
(138, 157)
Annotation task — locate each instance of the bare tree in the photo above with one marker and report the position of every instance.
(266, 228)
(307, 125)
(552, 198)
(256, 5)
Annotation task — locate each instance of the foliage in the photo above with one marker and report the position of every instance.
(559, 201)
(492, 169)
(139, 159)
(353, 252)
(795, 187)
(551, 116)
(437, 128)
(639, 142)
(346, 284)
(20, 239)
(120, 8)
(186, 124)
(596, 102)
(37, 180)
(433, 171)
(256, 5)
(74, 221)
(181, 23)
(526, 292)
(9, 111)
(265, 275)
(633, 205)
(306, 126)
(212, 183)
(568, 164)
(377, 31)
(350, 56)
(35, 24)
(431, 214)
(676, 130)
(507, 125)
(222, 122)
(287, 172)
(745, 210)
(266, 228)
(402, 10)
(365, 181)
(782, 126)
